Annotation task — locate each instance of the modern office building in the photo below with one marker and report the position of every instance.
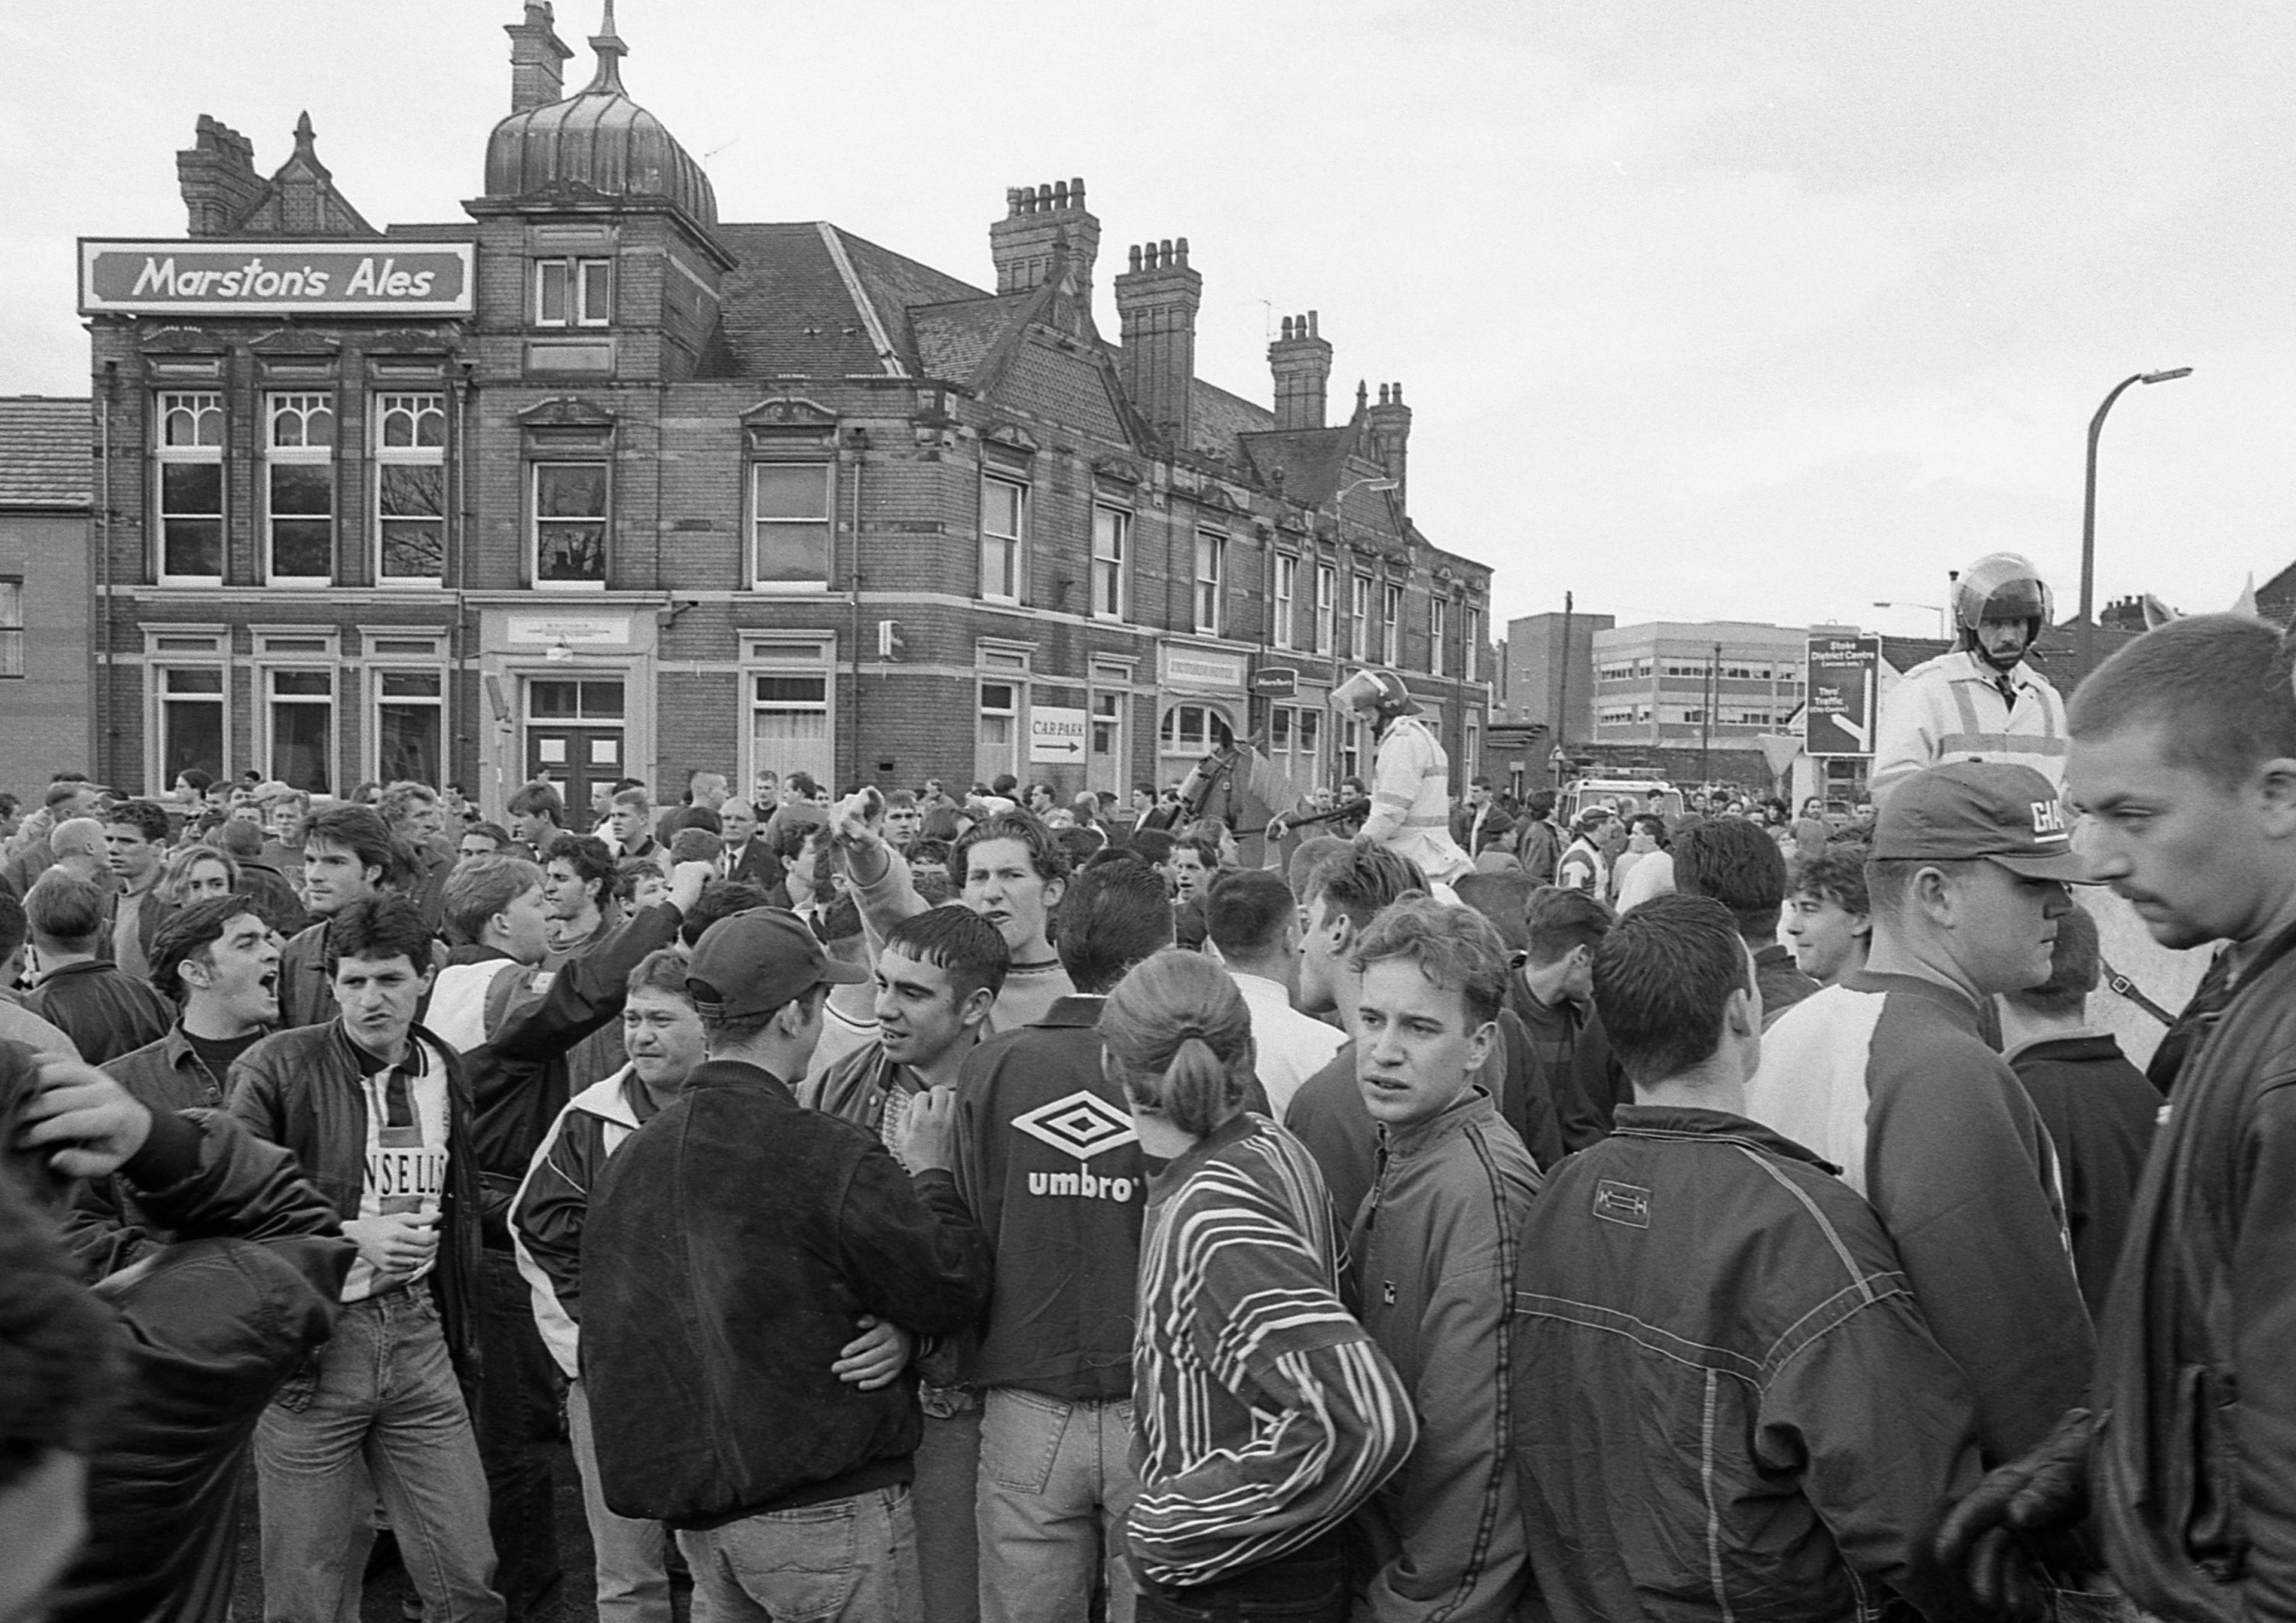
(1680, 682)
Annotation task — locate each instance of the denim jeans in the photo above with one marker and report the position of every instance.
(948, 1531)
(1056, 1484)
(516, 1410)
(379, 1405)
(632, 1555)
(845, 1561)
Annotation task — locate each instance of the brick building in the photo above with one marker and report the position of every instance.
(46, 677)
(590, 481)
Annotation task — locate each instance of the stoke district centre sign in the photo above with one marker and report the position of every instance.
(1056, 734)
(1844, 682)
(265, 278)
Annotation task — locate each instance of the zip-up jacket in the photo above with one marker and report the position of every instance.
(107, 1226)
(2193, 1472)
(1727, 1403)
(1952, 708)
(210, 1326)
(105, 1011)
(1886, 1076)
(545, 1219)
(303, 1090)
(730, 1245)
(1411, 800)
(1435, 1268)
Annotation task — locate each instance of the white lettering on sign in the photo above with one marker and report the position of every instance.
(243, 278)
(1084, 1185)
(2049, 821)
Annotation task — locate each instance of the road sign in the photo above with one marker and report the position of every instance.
(1844, 685)
(1056, 734)
(1275, 682)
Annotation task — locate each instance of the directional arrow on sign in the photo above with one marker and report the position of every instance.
(1065, 747)
(1856, 730)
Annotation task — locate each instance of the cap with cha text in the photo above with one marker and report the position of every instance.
(753, 963)
(2002, 812)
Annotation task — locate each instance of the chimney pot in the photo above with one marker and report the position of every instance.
(1024, 244)
(1136, 256)
(1076, 190)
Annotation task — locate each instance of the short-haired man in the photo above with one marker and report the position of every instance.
(788, 1487)
(1478, 821)
(2184, 759)
(104, 1011)
(66, 800)
(418, 820)
(629, 817)
(1734, 861)
(937, 979)
(377, 1110)
(219, 960)
(135, 846)
(2099, 1110)
(748, 860)
(1827, 918)
(706, 790)
(266, 886)
(485, 839)
(1582, 866)
(1711, 1333)
(1014, 874)
(1252, 920)
(1538, 842)
(18, 1023)
(578, 888)
(284, 809)
(495, 911)
(537, 813)
(1888, 1078)
(796, 809)
(79, 851)
(1048, 1163)
(349, 854)
(1551, 992)
(1436, 1260)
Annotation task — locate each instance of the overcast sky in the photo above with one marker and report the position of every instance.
(1759, 311)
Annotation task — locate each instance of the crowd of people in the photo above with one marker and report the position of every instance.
(989, 1206)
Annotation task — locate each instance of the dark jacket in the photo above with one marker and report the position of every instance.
(107, 1224)
(757, 865)
(103, 1010)
(2101, 1113)
(307, 992)
(210, 1326)
(1730, 1405)
(274, 893)
(2193, 1476)
(729, 1247)
(1782, 982)
(1570, 1056)
(302, 1089)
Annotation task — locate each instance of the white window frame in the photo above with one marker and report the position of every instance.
(278, 407)
(1004, 755)
(1111, 563)
(160, 698)
(1327, 603)
(1438, 629)
(792, 663)
(1470, 663)
(1287, 586)
(759, 524)
(1171, 739)
(415, 405)
(378, 700)
(1212, 583)
(1390, 626)
(588, 284)
(534, 523)
(12, 626)
(199, 403)
(267, 701)
(1360, 619)
(1475, 745)
(1013, 549)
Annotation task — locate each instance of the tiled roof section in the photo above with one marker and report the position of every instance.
(1313, 461)
(2275, 598)
(894, 283)
(1223, 418)
(1065, 387)
(952, 339)
(787, 308)
(44, 452)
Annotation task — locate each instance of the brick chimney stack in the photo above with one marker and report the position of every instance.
(1301, 361)
(1021, 244)
(1157, 299)
(216, 175)
(536, 79)
(1388, 425)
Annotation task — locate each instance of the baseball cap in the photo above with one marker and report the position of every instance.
(2003, 812)
(753, 963)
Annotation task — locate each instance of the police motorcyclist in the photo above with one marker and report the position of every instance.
(1411, 776)
(1980, 701)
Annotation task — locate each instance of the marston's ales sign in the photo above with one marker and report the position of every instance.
(266, 278)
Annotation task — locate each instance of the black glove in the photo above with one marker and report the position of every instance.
(1991, 1535)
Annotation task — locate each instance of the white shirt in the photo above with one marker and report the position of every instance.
(402, 1177)
(1293, 1046)
(1654, 875)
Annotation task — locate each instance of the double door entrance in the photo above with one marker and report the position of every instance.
(575, 737)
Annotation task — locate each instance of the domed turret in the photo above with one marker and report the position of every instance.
(598, 142)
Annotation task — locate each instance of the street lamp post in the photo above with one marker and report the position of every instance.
(2088, 511)
(1937, 609)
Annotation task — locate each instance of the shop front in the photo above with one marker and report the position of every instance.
(570, 697)
(1203, 701)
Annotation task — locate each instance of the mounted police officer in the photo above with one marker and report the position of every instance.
(1410, 777)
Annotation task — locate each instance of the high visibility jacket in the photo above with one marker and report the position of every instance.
(1411, 800)
(1952, 708)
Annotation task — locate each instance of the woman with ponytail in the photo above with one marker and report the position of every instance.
(1239, 1319)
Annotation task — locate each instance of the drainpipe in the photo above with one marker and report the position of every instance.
(107, 725)
(856, 444)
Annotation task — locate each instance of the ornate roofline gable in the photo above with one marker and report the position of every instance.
(566, 412)
(300, 199)
(789, 412)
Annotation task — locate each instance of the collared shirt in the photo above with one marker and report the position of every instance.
(1292, 1047)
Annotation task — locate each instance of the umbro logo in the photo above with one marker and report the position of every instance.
(1082, 1124)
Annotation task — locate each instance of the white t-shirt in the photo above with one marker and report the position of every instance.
(1292, 1047)
(406, 1163)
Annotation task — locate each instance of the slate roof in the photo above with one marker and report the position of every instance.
(1313, 461)
(786, 307)
(44, 452)
(953, 340)
(1222, 417)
